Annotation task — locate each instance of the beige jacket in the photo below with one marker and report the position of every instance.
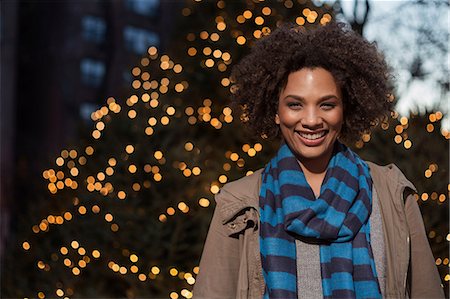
(230, 266)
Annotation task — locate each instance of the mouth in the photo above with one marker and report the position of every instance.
(312, 139)
(312, 136)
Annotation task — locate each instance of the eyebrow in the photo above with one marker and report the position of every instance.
(324, 98)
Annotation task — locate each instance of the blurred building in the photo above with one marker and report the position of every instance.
(61, 60)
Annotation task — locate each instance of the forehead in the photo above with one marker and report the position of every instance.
(311, 80)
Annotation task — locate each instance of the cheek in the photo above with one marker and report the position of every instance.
(287, 118)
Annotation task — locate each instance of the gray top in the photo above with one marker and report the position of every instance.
(309, 282)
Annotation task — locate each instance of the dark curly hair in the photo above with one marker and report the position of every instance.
(357, 66)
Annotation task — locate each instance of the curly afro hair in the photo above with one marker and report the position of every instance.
(357, 66)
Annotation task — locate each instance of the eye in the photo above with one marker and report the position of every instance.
(328, 106)
(294, 105)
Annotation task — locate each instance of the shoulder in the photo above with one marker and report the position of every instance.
(389, 175)
(240, 194)
(389, 178)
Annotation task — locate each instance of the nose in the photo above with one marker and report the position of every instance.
(312, 119)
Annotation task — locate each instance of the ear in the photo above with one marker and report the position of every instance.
(277, 119)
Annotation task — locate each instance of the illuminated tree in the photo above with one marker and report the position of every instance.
(126, 210)
(418, 145)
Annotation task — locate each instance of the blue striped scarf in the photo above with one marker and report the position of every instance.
(338, 220)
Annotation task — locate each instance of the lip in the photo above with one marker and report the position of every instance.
(312, 142)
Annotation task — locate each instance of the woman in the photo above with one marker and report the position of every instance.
(317, 221)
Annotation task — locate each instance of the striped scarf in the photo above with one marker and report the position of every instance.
(338, 220)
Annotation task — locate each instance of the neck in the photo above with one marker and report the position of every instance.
(314, 171)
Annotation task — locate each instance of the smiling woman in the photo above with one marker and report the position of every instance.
(310, 117)
(317, 221)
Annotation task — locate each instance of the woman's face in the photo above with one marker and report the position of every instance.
(310, 114)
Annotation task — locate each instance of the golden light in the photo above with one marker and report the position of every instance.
(75, 244)
(157, 177)
(225, 82)
(136, 187)
(41, 295)
(170, 110)
(149, 131)
(404, 120)
(266, 11)
(424, 196)
(114, 227)
(203, 202)
(134, 258)
(109, 217)
(187, 172)
(223, 179)
(173, 295)
(407, 144)
(165, 120)
(190, 280)
(300, 21)
(73, 154)
(82, 210)
(96, 134)
(158, 155)
(67, 216)
(228, 118)
(189, 111)
(259, 20)
(59, 292)
(209, 62)
(67, 262)
(162, 218)
(251, 152)
(192, 51)
(257, 33)
(221, 26)
(82, 264)
(26, 245)
(258, 147)
(173, 272)
(430, 128)
(121, 194)
(182, 206)
(155, 270)
(81, 251)
(132, 168)
(398, 139)
(247, 14)
(428, 173)
(60, 161)
(204, 35)
(196, 170)
(123, 270)
(170, 211)
(179, 87)
(241, 40)
(142, 277)
(226, 56)
(234, 157)
(154, 103)
(132, 114)
(214, 189)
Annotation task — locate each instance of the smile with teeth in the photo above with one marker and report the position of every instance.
(312, 136)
